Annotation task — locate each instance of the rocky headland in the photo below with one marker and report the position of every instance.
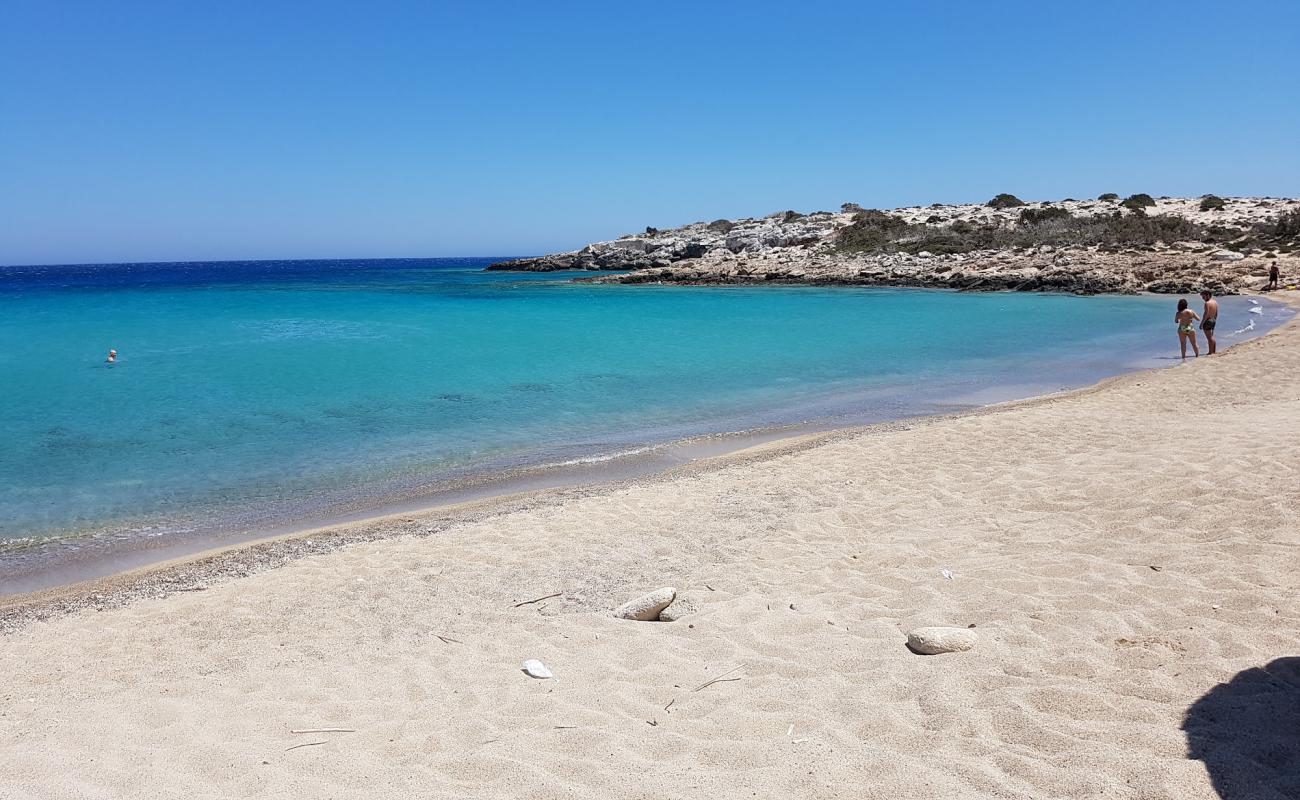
(1107, 245)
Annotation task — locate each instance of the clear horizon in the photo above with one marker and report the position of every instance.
(143, 132)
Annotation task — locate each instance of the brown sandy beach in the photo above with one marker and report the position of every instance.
(1127, 555)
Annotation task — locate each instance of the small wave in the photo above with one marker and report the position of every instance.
(599, 459)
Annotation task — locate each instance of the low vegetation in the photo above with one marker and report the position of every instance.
(1005, 201)
(1212, 202)
(1037, 216)
(1282, 227)
(1108, 197)
(1281, 233)
(1138, 202)
(875, 231)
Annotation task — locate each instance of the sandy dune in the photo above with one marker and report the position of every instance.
(1121, 552)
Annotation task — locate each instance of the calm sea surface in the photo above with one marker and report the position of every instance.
(258, 393)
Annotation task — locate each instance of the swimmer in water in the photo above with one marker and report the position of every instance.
(112, 357)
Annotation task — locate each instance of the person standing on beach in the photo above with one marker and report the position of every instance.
(1210, 319)
(1273, 277)
(1186, 320)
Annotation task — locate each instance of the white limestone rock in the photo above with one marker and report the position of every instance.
(936, 640)
(647, 607)
(1226, 255)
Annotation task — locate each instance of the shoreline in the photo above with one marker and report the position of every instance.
(193, 566)
(1134, 627)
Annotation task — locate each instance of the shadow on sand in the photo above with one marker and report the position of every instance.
(1247, 732)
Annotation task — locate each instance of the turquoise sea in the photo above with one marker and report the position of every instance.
(249, 395)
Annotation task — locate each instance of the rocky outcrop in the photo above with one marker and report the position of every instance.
(658, 249)
(791, 248)
(1083, 272)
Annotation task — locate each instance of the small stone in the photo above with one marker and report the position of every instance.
(647, 607)
(536, 669)
(932, 641)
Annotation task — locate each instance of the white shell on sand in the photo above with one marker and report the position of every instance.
(932, 641)
(647, 607)
(537, 669)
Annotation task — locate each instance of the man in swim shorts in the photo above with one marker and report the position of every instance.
(1210, 319)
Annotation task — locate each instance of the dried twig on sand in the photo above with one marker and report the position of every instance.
(720, 679)
(304, 744)
(448, 639)
(536, 600)
(323, 730)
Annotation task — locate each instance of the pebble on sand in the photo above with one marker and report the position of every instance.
(536, 669)
(932, 641)
(647, 607)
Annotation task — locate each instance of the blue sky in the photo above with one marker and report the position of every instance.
(188, 131)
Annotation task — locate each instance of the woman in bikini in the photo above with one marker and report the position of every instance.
(1186, 319)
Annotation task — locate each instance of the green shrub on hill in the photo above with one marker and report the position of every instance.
(1212, 202)
(877, 232)
(872, 230)
(1036, 216)
(1005, 200)
(1283, 227)
(1138, 202)
(721, 225)
(1108, 197)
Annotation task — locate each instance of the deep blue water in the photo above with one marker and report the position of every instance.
(255, 392)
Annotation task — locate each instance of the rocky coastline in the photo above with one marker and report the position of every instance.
(1219, 248)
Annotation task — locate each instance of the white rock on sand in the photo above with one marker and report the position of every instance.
(935, 640)
(536, 669)
(647, 607)
(1226, 255)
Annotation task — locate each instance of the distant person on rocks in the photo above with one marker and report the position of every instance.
(1186, 319)
(112, 357)
(1273, 277)
(1210, 319)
